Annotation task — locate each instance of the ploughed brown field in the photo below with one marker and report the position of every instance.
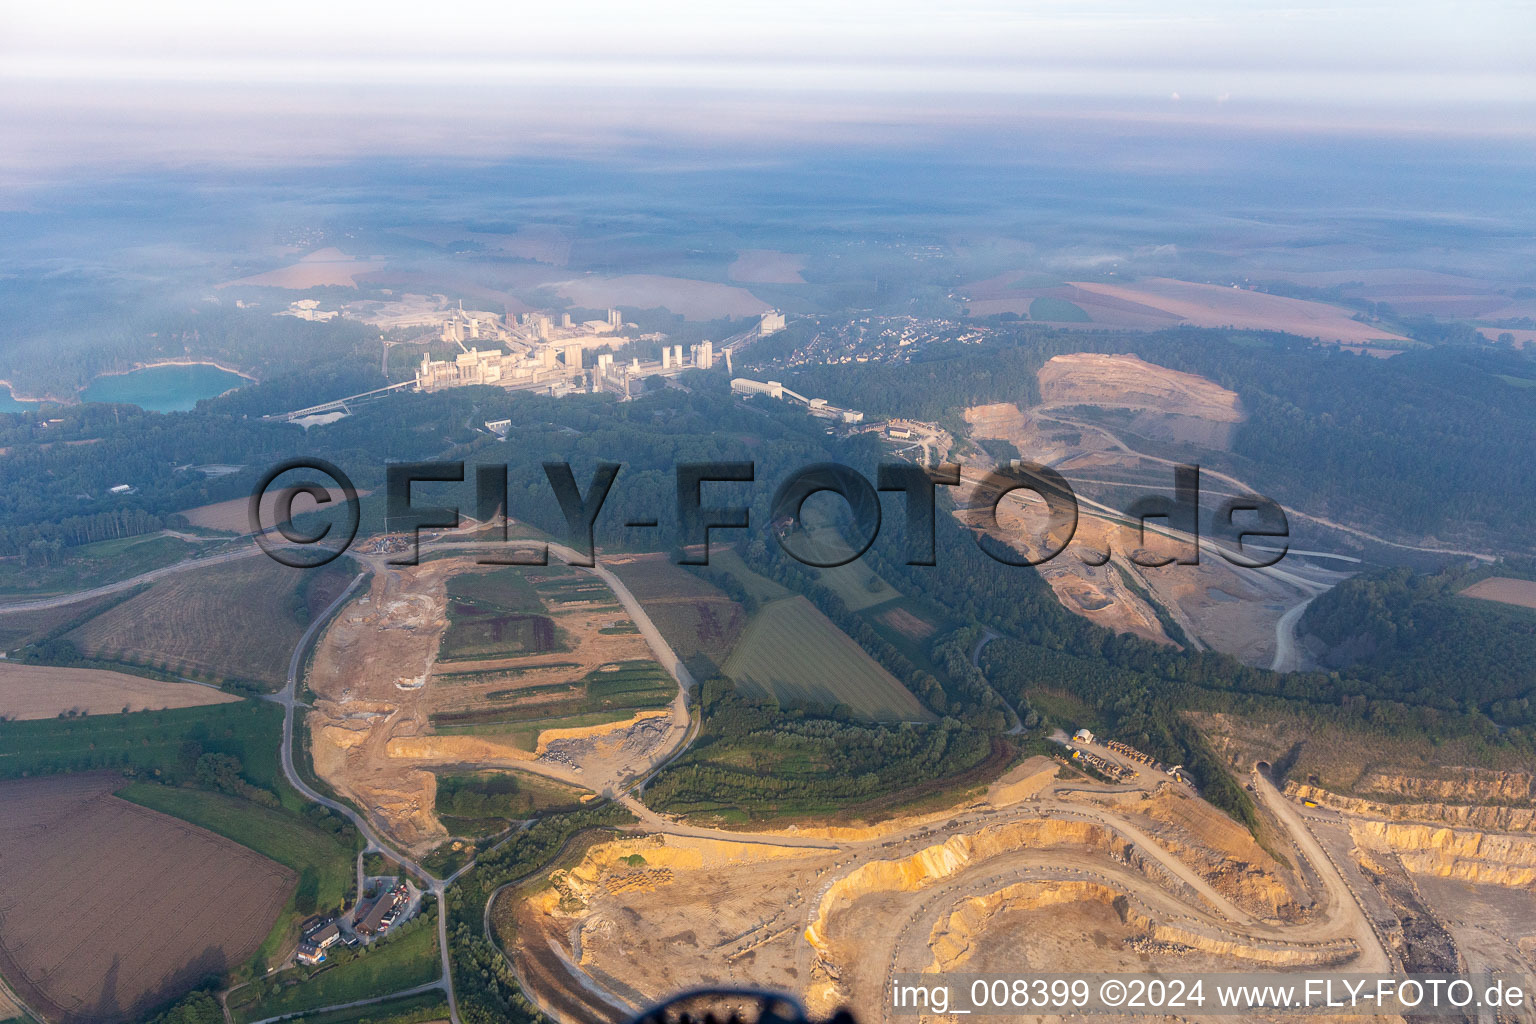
(108, 909)
(1504, 590)
(44, 691)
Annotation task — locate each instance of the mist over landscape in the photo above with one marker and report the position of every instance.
(1200, 338)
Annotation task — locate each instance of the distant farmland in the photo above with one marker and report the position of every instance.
(237, 622)
(794, 653)
(77, 907)
(1504, 590)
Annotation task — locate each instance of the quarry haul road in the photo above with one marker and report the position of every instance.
(1050, 413)
(1374, 958)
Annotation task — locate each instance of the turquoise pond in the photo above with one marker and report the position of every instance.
(163, 388)
(8, 402)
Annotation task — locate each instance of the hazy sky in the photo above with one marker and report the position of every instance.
(195, 80)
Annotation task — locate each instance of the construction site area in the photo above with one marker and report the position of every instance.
(453, 667)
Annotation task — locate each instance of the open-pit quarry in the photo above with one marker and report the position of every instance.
(1044, 870)
(1090, 404)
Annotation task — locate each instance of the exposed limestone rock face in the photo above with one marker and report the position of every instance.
(1219, 849)
(953, 938)
(1464, 785)
(936, 863)
(1497, 817)
(1452, 853)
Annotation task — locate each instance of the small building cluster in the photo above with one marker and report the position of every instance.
(818, 407)
(373, 917)
(320, 934)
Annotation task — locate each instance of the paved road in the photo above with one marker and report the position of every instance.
(403, 994)
(287, 698)
(1285, 659)
(60, 600)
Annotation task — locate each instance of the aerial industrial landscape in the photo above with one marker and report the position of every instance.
(597, 514)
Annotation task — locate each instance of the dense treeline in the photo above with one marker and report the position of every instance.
(1432, 442)
(1409, 637)
(58, 359)
(483, 980)
(755, 758)
(44, 543)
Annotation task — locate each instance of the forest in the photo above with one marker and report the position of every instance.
(1433, 442)
(1410, 636)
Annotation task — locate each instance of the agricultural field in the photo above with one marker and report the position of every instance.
(232, 623)
(41, 691)
(92, 565)
(76, 908)
(698, 620)
(622, 686)
(17, 629)
(234, 516)
(1521, 593)
(146, 742)
(427, 1008)
(792, 652)
(407, 957)
(323, 862)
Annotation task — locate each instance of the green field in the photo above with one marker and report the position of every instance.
(326, 864)
(759, 589)
(478, 677)
(525, 735)
(698, 620)
(147, 742)
(792, 652)
(506, 588)
(628, 686)
(496, 614)
(404, 959)
(1057, 311)
(428, 1006)
(93, 565)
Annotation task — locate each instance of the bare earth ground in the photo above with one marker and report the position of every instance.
(1504, 590)
(108, 908)
(39, 691)
(1235, 610)
(234, 515)
(376, 681)
(1128, 382)
(1208, 305)
(1036, 873)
